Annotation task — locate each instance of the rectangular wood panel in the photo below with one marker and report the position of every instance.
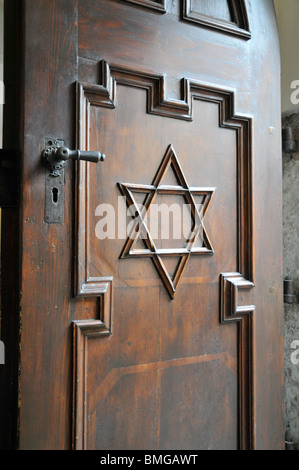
(217, 9)
(227, 16)
(129, 95)
(158, 5)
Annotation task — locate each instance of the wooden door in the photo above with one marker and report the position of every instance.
(142, 340)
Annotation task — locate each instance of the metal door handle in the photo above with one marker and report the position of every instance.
(54, 158)
(64, 154)
(55, 155)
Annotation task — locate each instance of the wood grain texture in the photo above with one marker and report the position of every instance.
(50, 69)
(105, 95)
(82, 331)
(171, 367)
(157, 255)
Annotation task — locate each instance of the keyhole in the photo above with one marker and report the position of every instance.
(55, 195)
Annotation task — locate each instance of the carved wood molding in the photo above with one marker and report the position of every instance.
(154, 5)
(231, 283)
(111, 75)
(141, 228)
(238, 27)
(104, 94)
(231, 312)
(82, 331)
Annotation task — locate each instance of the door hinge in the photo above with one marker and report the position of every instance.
(289, 291)
(289, 143)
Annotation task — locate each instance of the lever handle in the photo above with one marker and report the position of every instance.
(55, 156)
(64, 153)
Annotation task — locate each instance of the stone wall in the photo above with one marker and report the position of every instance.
(291, 269)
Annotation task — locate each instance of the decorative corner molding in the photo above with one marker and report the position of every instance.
(99, 287)
(104, 94)
(232, 312)
(83, 330)
(230, 284)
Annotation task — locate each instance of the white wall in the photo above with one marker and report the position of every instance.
(288, 25)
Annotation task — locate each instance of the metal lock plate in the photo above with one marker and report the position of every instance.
(54, 190)
(54, 158)
(54, 207)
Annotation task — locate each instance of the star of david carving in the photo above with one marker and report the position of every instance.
(140, 230)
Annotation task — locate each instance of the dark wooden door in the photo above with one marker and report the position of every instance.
(152, 341)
